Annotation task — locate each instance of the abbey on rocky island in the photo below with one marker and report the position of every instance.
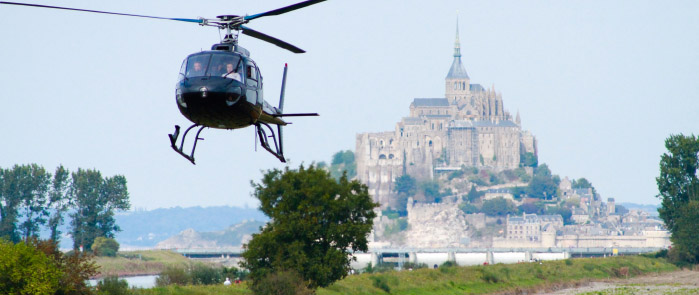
(468, 127)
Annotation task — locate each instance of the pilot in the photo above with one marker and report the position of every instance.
(230, 73)
(197, 70)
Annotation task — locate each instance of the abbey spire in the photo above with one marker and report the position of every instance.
(457, 70)
(458, 84)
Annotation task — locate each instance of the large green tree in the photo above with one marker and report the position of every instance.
(315, 222)
(23, 196)
(679, 190)
(96, 199)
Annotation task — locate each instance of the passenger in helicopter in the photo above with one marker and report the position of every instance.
(231, 73)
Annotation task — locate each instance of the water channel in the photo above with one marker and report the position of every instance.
(135, 281)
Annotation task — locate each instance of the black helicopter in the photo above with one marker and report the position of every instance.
(222, 88)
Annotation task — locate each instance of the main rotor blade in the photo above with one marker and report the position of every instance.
(255, 34)
(191, 20)
(284, 9)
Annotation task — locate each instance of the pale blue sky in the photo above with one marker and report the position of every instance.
(600, 83)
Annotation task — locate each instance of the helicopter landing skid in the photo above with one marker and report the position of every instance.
(264, 140)
(173, 141)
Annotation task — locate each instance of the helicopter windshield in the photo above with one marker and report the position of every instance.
(222, 65)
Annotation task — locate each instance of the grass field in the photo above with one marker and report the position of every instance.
(498, 278)
(139, 262)
(524, 277)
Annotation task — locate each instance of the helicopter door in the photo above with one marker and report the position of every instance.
(251, 80)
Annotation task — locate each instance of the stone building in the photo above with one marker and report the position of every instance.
(469, 127)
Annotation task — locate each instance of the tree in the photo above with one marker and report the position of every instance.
(105, 247)
(565, 213)
(474, 195)
(498, 207)
(430, 190)
(315, 223)
(532, 208)
(405, 187)
(581, 183)
(33, 189)
(59, 201)
(542, 185)
(76, 268)
(23, 194)
(679, 190)
(26, 270)
(528, 160)
(96, 199)
(343, 161)
(9, 205)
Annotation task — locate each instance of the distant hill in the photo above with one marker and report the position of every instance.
(651, 209)
(233, 236)
(148, 228)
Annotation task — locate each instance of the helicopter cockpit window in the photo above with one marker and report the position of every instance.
(183, 70)
(251, 74)
(225, 65)
(197, 65)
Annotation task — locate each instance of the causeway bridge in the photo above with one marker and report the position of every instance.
(437, 256)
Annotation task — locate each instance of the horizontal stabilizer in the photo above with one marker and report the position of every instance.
(296, 115)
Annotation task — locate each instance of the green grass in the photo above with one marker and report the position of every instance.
(139, 262)
(462, 280)
(194, 290)
(496, 278)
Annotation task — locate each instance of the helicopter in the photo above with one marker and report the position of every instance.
(222, 88)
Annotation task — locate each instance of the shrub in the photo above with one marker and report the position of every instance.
(105, 247)
(26, 270)
(490, 276)
(446, 266)
(281, 283)
(589, 267)
(381, 283)
(173, 276)
(569, 262)
(112, 285)
(206, 275)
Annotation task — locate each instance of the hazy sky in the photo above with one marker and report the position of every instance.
(601, 84)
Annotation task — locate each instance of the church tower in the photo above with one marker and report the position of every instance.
(457, 86)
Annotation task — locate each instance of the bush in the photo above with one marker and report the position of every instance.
(490, 276)
(381, 283)
(206, 275)
(26, 270)
(281, 283)
(112, 285)
(173, 276)
(105, 247)
(569, 262)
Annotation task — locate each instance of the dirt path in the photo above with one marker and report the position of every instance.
(679, 282)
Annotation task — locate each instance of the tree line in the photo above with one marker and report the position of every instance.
(32, 197)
